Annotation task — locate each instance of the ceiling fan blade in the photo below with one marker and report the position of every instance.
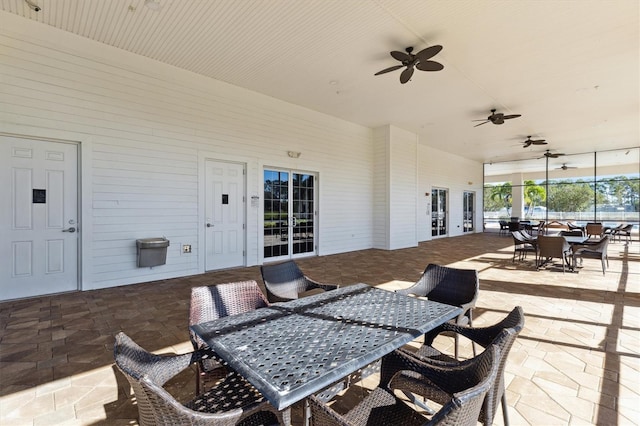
(428, 53)
(480, 123)
(508, 117)
(393, 68)
(400, 56)
(429, 66)
(539, 142)
(527, 144)
(406, 75)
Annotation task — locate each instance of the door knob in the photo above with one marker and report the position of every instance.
(209, 225)
(70, 230)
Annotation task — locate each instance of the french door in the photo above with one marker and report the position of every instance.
(468, 211)
(439, 211)
(289, 214)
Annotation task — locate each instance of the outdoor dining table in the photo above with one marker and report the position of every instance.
(293, 349)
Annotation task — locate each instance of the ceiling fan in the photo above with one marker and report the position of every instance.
(550, 154)
(565, 167)
(497, 118)
(420, 61)
(530, 142)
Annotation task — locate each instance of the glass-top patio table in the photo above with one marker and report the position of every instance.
(293, 349)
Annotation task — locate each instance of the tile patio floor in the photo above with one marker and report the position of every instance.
(576, 362)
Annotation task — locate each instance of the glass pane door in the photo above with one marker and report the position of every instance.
(468, 204)
(303, 213)
(438, 212)
(289, 212)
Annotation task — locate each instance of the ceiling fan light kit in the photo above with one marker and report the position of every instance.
(420, 60)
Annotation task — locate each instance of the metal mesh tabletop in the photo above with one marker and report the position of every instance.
(293, 349)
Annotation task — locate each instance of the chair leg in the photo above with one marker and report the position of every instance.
(419, 403)
(473, 344)
(455, 349)
(505, 409)
(198, 378)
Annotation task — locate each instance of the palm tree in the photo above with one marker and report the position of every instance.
(503, 193)
(534, 194)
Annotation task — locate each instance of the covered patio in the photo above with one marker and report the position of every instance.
(577, 360)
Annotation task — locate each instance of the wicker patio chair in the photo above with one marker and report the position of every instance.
(572, 227)
(466, 383)
(597, 250)
(608, 230)
(522, 246)
(212, 302)
(594, 229)
(504, 226)
(625, 231)
(285, 281)
(539, 228)
(453, 286)
(501, 335)
(550, 247)
(231, 401)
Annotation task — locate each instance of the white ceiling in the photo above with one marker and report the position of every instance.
(571, 68)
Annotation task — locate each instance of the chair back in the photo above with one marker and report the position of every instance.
(452, 286)
(212, 302)
(465, 406)
(283, 281)
(552, 246)
(600, 246)
(594, 229)
(514, 226)
(146, 373)
(504, 335)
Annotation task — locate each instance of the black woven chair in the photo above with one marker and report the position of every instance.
(595, 250)
(212, 302)
(467, 384)
(625, 232)
(501, 335)
(285, 281)
(539, 228)
(453, 286)
(231, 401)
(504, 227)
(522, 246)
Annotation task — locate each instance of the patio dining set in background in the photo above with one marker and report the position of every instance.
(298, 345)
(569, 242)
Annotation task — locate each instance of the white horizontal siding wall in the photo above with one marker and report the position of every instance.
(437, 168)
(381, 188)
(145, 130)
(403, 184)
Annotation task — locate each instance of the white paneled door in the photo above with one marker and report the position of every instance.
(224, 215)
(38, 217)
